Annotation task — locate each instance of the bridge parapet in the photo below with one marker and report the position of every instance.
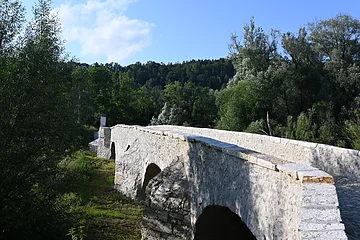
(344, 162)
(275, 198)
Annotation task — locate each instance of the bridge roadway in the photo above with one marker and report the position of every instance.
(273, 186)
(348, 191)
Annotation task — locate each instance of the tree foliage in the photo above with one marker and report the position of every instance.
(336, 40)
(187, 104)
(306, 88)
(137, 93)
(38, 127)
(11, 21)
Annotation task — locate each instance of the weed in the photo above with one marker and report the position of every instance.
(77, 233)
(101, 212)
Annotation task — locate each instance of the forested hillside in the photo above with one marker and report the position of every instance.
(135, 93)
(302, 85)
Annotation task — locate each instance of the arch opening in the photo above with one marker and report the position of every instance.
(151, 171)
(217, 222)
(112, 151)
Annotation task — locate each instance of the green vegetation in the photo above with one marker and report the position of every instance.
(37, 124)
(98, 210)
(42, 123)
(139, 93)
(303, 85)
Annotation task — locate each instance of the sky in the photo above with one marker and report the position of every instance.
(127, 31)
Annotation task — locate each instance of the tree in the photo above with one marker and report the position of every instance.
(204, 110)
(11, 20)
(352, 124)
(302, 81)
(124, 100)
(38, 129)
(253, 54)
(337, 42)
(101, 89)
(187, 104)
(84, 107)
(337, 39)
(144, 106)
(169, 115)
(241, 104)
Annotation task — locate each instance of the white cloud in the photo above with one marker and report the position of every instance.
(102, 29)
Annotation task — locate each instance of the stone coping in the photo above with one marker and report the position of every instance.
(336, 161)
(304, 173)
(284, 141)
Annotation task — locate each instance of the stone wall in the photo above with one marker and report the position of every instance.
(334, 160)
(103, 142)
(135, 150)
(167, 209)
(266, 200)
(166, 214)
(343, 164)
(276, 198)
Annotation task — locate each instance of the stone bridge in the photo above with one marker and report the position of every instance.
(211, 184)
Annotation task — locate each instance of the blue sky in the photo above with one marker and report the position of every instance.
(126, 31)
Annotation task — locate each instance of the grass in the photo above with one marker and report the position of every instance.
(102, 212)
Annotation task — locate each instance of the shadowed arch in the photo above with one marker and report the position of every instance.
(216, 222)
(112, 151)
(151, 171)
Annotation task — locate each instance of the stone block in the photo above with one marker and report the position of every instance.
(303, 143)
(292, 169)
(323, 194)
(93, 146)
(156, 225)
(177, 135)
(262, 160)
(176, 216)
(310, 226)
(156, 132)
(238, 152)
(252, 158)
(320, 214)
(161, 215)
(275, 139)
(321, 235)
(315, 176)
(266, 163)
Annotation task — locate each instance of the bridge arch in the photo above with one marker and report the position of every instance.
(112, 151)
(151, 171)
(218, 222)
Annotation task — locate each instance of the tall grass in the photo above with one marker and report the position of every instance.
(97, 210)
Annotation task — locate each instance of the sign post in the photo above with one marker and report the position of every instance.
(103, 120)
